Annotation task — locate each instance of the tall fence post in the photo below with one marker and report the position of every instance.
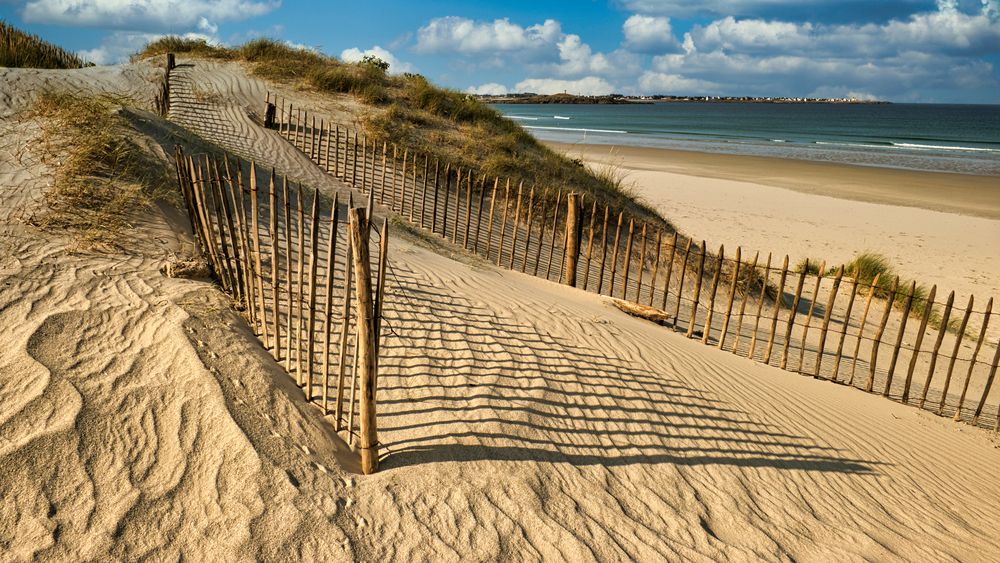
(573, 226)
(368, 440)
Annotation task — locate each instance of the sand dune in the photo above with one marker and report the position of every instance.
(520, 420)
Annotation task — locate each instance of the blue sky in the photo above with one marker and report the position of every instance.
(900, 50)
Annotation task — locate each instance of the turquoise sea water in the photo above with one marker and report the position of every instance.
(947, 138)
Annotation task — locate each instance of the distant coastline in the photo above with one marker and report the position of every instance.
(619, 99)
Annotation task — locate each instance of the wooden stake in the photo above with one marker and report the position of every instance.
(573, 226)
(256, 248)
(614, 256)
(479, 212)
(878, 334)
(696, 298)
(552, 237)
(437, 186)
(861, 329)
(656, 265)
(827, 313)
(468, 210)
(402, 183)
(345, 326)
(670, 269)
(272, 225)
(489, 226)
(331, 258)
(423, 198)
(368, 439)
(288, 275)
(299, 272)
(975, 355)
(928, 306)
(732, 297)
(680, 283)
(517, 223)
(527, 237)
(310, 323)
(642, 264)
(937, 346)
(899, 339)
(503, 224)
(954, 354)
(590, 245)
(447, 199)
(792, 313)
(809, 315)
(712, 293)
(628, 257)
(604, 250)
(777, 308)
(989, 384)
(383, 260)
(760, 307)
(458, 206)
(847, 322)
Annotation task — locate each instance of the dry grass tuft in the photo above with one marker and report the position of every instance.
(103, 175)
(23, 50)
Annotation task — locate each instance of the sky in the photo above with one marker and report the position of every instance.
(899, 50)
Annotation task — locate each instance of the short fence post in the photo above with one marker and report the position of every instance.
(573, 229)
(171, 62)
(269, 111)
(368, 440)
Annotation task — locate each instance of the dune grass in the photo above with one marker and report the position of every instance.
(19, 49)
(103, 175)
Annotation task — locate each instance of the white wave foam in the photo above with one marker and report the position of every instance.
(576, 129)
(917, 146)
(521, 117)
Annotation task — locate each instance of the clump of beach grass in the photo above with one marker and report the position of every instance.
(103, 174)
(19, 49)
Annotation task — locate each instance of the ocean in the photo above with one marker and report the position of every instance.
(937, 137)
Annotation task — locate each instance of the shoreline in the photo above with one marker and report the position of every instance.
(823, 211)
(965, 194)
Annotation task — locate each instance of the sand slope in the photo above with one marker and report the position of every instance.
(520, 420)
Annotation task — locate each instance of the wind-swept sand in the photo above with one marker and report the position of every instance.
(521, 420)
(934, 227)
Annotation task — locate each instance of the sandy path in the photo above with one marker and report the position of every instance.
(521, 420)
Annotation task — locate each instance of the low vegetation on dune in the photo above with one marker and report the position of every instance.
(410, 111)
(102, 173)
(23, 50)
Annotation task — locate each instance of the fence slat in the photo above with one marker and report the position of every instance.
(331, 257)
(310, 323)
(809, 315)
(777, 308)
(696, 296)
(861, 329)
(975, 355)
(552, 237)
(986, 389)
(792, 313)
(928, 306)
(760, 307)
(642, 264)
(680, 283)
(517, 223)
(628, 257)
(368, 438)
(614, 255)
(711, 297)
(899, 339)
(943, 329)
(847, 323)
(826, 320)
(590, 244)
(960, 335)
(732, 296)
(670, 269)
(873, 364)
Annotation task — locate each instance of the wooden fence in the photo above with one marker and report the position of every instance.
(897, 341)
(290, 259)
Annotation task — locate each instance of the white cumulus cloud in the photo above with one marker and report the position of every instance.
(649, 34)
(462, 35)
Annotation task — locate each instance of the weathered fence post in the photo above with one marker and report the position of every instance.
(696, 296)
(878, 334)
(573, 226)
(937, 346)
(959, 336)
(171, 61)
(269, 112)
(368, 439)
(928, 306)
(975, 355)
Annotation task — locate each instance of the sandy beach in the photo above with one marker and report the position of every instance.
(936, 228)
